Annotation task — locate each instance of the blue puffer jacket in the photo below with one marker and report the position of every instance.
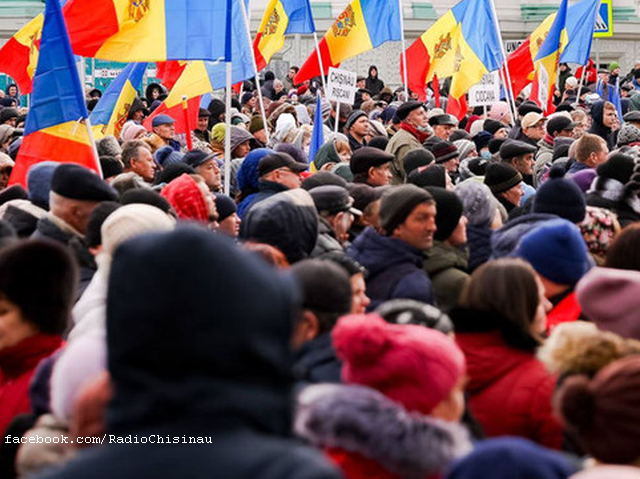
(395, 268)
(506, 240)
(479, 243)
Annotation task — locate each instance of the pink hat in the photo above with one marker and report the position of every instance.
(498, 111)
(413, 365)
(608, 472)
(131, 130)
(609, 298)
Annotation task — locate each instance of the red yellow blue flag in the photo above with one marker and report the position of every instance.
(110, 114)
(281, 17)
(464, 44)
(57, 127)
(362, 26)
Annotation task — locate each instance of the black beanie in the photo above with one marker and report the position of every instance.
(225, 206)
(435, 175)
(172, 171)
(500, 177)
(145, 196)
(397, 203)
(560, 196)
(110, 166)
(618, 167)
(492, 126)
(417, 158)
(325, 286)
(39, 277)
(99, 214)
(495, 144)
(449, 211)
(322, 178)
(379, 142)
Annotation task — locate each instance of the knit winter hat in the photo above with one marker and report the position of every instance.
(257, 124)
(109, 146)
(609, 297)
(132, 220)
(444, 151)
(560, 196)
(185, 196)
(413, 365)
(492, 126)
(465, 147)
(604, 412)
(584, 178)
(39, 182)
(397, 203)
(556, 251)
(500, 177)
(354, 117)
(617, 167)
(499, 110)
(417, 158)
(510, 458)
(478, 204)
(482, 140)
(449, 208)
(495, 144)
(166, 156)
(110, 166)
(145, 196)
(93, 236)
(225, 206)
(131, 130)
(629, 133)
(434, 175)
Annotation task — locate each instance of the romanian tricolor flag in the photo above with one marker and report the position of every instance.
(464, 44)
(580, 24)
(19, 56)
(111, 112)
(547, 60)
(281, 17)
(362, 26)
(57, 127)
(149, 30)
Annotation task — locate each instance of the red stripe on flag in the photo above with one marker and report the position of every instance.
(260, 61)
(169, 72)
(418, 61)
(457, 106)
(521, 67)
(40, 146)
(88, 36)
(14, 61)
(311, 67)
(177, 114)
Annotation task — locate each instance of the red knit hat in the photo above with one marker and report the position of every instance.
(414, 365)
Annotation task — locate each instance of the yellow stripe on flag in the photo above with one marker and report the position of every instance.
(272, 29)
(539, 34)
(147, 34)
(194, 81)
(441, 41)
(72, 130)
(348, 35)
(469, 69)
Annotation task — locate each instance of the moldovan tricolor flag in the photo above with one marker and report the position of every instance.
(111, 112)
(362, 26)
(19, 56)
(57, 127)
(547, 61)
(149, 30)
(280, 18)
(464, 44)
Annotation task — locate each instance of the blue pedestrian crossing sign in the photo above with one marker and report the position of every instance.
(604, 20)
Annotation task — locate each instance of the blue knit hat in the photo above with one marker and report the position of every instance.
(560, 196)
(39, 182)
(556, 251)
(511, 458)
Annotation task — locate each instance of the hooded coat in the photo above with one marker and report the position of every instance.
(510, 391)
(394, 268)
(597, 126)
(446, 266)
(202, 363)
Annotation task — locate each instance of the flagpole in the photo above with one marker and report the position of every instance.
(584, 68)
(227, 136)
(255, 69)
(315, 39)
(404, 52)
(87, 123)
(511, 99)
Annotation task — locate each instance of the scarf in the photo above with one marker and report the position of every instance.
(420, 135)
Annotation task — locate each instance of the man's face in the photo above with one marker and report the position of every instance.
(514, 195)
(609, 117)
(535, 132)
(360, 127)
(565, 133)
(138, 116)
(292, 73)
(599, 157)
(419, 227)
(360, 84)
(166, 131)
(5, 173)
(211, 204)
(287, 177)
(443, 131)
(365, 96)
(261, 136)
(360, 300)
(144, 165)
(210, 171)
(203, 123)
(380, 175)
(418, 118)
(13, 91)
(524, 164)
(451, 165)
(11, 121)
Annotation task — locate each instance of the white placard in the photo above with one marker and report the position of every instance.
(543, 87)
(487, 92)
(341, 86)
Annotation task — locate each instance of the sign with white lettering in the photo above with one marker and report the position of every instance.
(487, 92)
(341, 86)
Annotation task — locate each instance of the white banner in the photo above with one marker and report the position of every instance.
(341, 86)
(487, 92)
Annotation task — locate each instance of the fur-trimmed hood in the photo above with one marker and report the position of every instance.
(361, 420)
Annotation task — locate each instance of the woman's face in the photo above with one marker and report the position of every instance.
(544, 306)
(13, 326)
(374, 73)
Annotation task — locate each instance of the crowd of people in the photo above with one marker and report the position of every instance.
(419, 297)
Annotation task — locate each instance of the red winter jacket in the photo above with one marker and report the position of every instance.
(565, 311)
(17, 365)
(510, 391)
